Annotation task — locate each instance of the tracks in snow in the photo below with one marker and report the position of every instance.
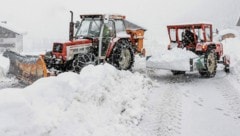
(232, 97)
(168, 103)
(164, 115)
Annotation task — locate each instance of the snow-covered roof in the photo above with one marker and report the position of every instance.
(12, 28)
(228, 31)
(130, 25)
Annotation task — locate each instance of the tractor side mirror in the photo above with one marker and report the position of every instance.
(106, 19)
(77, 24)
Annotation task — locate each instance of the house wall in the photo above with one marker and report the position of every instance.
(10, 40)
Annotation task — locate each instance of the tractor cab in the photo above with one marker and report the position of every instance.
(189, 36)
(91, 26)
(101, 29)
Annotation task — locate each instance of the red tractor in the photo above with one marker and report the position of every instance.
(198, 38)
(97, 38)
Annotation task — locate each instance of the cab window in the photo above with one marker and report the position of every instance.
(120, 27)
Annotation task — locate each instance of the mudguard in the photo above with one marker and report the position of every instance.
(26, 68)
(111, 46)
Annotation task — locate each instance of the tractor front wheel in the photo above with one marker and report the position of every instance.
(210, 62)
(83, 60)
(122, 56)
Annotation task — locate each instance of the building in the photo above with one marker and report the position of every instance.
(10, 38)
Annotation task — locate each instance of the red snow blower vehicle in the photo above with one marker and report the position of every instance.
(198, 38)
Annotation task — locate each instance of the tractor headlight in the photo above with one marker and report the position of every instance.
(204, 47)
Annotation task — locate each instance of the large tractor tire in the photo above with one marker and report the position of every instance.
(122, 56)
(210, 62)
(83, 60)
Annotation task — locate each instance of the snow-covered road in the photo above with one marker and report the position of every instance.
(189, 105)
(103, 101)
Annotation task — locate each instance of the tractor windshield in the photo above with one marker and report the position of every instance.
(176, 35)
(198, 33)
(89, 27)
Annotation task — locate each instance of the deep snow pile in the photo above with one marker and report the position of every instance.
(231, 47)
(4, 66)
(101, 101)
(228, 31)
(175, 59)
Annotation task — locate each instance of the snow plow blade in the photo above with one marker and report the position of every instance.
(26, 68)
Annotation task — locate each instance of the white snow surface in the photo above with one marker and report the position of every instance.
(100, 101)
(227, 31)
(232, 47)
(13, 28)
(174, 59)
(188, 105)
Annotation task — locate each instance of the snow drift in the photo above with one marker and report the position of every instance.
(101, 101)
(174, 59)
(232, 47)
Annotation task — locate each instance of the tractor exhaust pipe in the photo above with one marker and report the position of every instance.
(71, 28)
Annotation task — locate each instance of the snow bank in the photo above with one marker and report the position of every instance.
(139, 63)
(231, 47)
(227, 31)
(221, 34)
(101, 101)
(4, 66)
(174, 59)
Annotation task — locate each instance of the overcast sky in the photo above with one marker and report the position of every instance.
(48, 19)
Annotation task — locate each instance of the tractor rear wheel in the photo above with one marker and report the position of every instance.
(122, 56)
(210, 62)
(83, 60)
